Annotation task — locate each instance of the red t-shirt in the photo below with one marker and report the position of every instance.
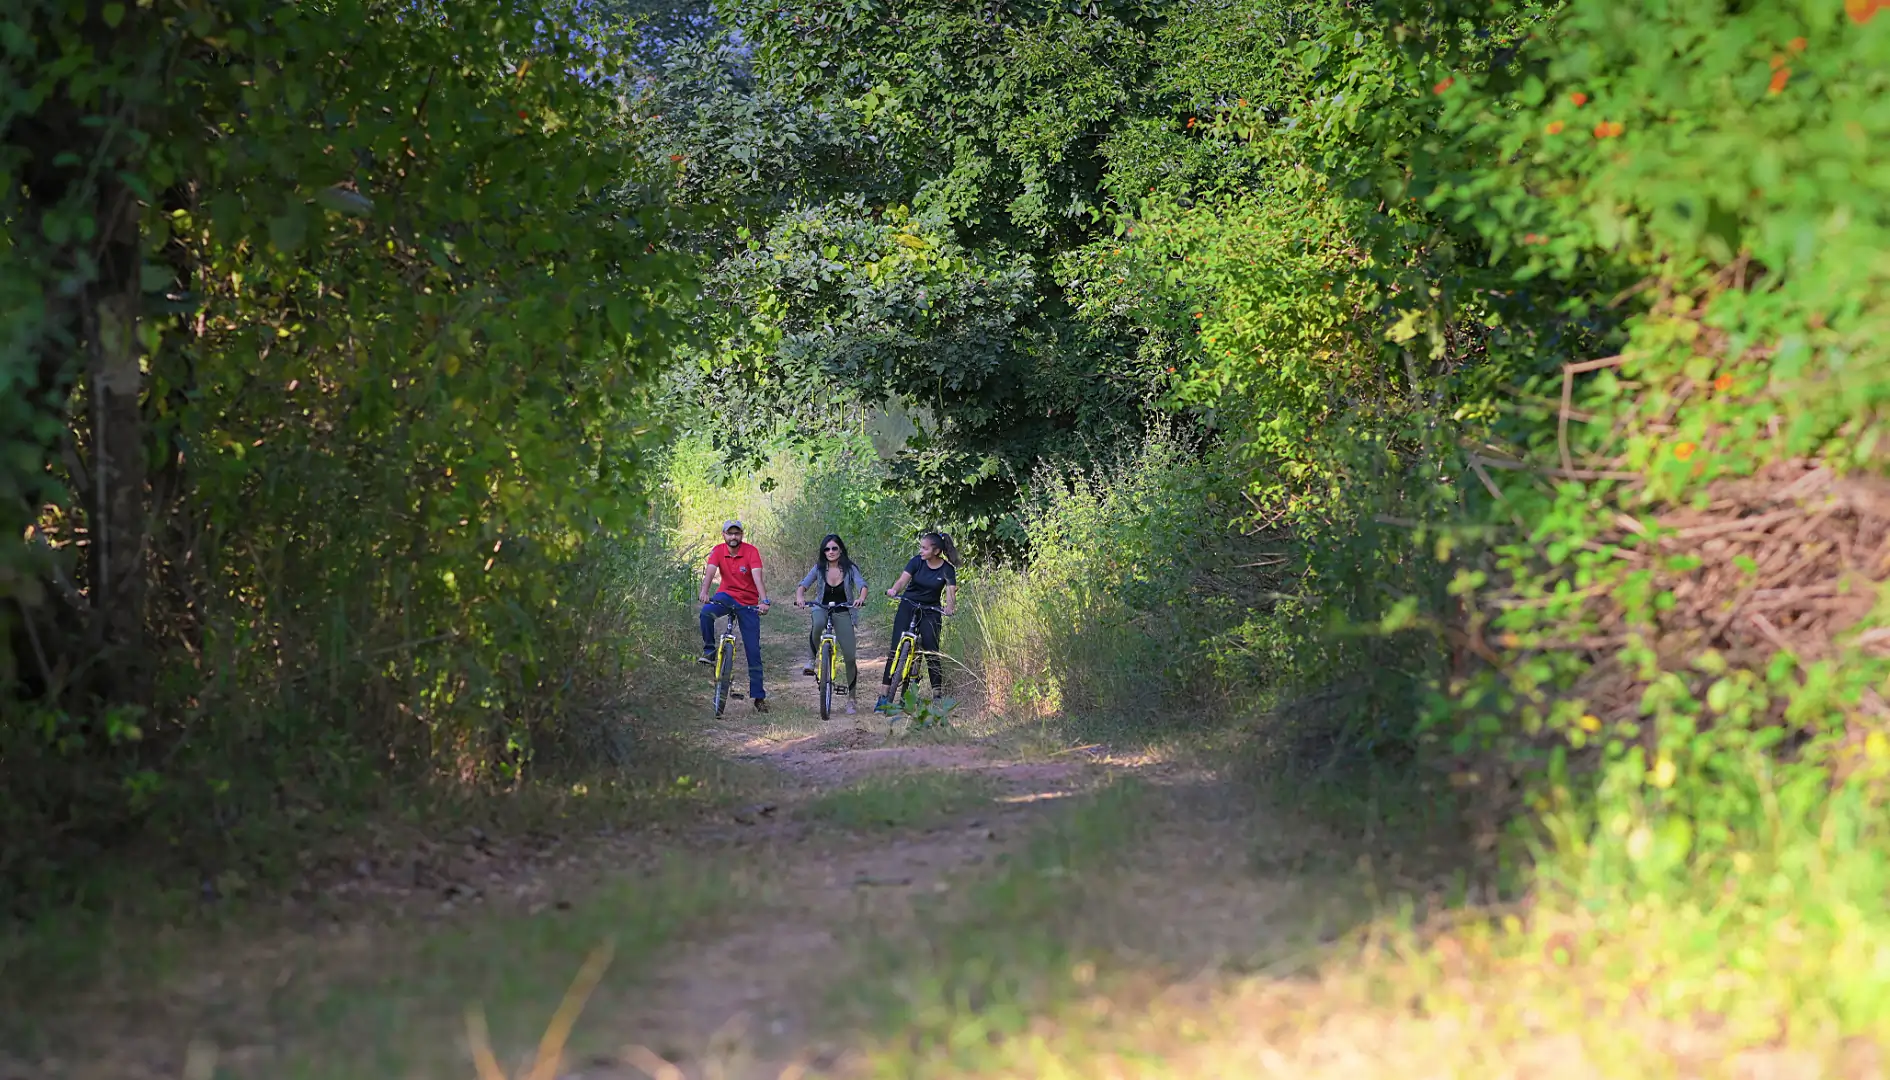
(738, 571)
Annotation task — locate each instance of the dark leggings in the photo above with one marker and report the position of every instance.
(928, 640)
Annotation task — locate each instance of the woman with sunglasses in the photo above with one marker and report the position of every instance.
(834, 577)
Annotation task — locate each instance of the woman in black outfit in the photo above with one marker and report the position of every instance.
(931, 578)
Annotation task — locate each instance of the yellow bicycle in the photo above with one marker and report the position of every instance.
(725, 661)
(906, 654)
(827, 659)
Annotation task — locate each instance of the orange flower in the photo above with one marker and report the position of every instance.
(1723, 383)
(1197, 314)
(521, 114)
(1190, 121)
(1778, 61)
(1171, 369)
(1684, 451)
(1861, 11)
(1447, 83)
(1554, 128)
(1243, 103)
(1779, 78)
(1796, 45)
(1608, 129)
(1578, 98)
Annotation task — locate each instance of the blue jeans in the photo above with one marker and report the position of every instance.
(720, 605)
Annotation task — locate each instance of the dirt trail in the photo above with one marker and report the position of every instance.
(744, 995)
(741, 1005)
(868, 862)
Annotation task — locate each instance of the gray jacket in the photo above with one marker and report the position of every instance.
(816, 580)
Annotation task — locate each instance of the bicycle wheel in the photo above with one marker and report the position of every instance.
(724, 673)
(823, 669)
(903, 658)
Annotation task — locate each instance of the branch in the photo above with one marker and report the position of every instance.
(1567, 474)
(1569, 371)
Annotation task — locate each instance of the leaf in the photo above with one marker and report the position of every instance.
(287, 232)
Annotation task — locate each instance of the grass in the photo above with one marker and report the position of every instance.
(514, 967)
(141, 943)
(903, 800)
(994, 954)
(391, 1000)
(1768, 958)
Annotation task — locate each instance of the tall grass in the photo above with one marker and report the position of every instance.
(1124, 606)
(795, 499)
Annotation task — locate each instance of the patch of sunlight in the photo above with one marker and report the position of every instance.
(1139, 759)
(1035, 796)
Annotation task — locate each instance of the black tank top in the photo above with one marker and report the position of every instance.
(833, 594)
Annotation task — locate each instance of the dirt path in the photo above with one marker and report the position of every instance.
(887, 903)
(743, 1004)
(738, 931)
(754, 1002)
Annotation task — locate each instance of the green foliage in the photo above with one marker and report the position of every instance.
(1759, 343)
(397, 299)
(923, 713)
(987, 130)
(1477, 199)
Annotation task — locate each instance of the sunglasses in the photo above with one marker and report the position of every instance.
(833, 547)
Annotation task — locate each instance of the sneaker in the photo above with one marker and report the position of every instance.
(808, 670)
(850, 709)
(761, 704)
(707, 657)
(882, 703)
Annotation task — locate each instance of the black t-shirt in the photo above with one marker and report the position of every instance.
(927, 583)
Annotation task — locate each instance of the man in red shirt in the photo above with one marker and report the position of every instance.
(742, 593)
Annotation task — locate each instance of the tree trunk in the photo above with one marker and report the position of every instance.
(115, 386)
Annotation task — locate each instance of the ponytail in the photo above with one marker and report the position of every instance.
(945, 546)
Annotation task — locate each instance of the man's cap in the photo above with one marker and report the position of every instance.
(727, 525)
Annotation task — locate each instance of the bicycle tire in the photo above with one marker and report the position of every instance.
(823, 669)
(724, 673)
(903, 658)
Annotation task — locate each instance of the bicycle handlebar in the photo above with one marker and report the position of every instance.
(923, 607)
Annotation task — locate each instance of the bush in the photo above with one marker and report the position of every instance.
(1134, 599)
